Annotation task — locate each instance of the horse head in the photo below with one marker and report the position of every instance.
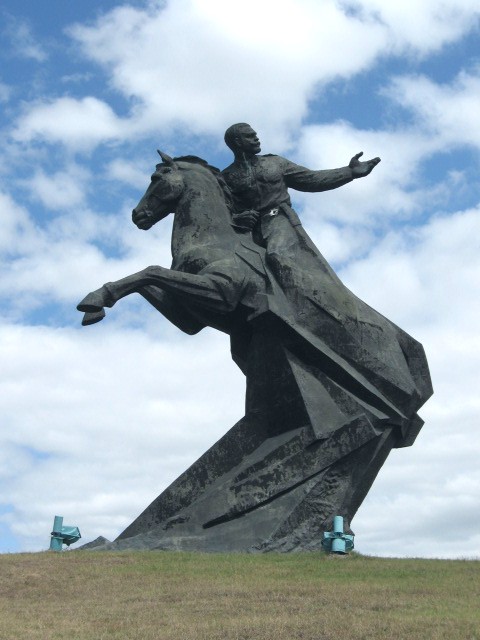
(161, 196)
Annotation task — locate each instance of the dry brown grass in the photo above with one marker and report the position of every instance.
(184, 596)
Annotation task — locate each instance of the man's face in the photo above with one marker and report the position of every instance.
(247, 140)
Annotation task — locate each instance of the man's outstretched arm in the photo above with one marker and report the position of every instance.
(303, 179)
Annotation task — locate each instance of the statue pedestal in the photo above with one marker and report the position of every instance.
(305, 451)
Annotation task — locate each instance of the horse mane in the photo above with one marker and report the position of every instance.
(197, 160)
(216, 173)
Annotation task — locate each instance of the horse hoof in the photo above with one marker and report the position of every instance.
(93, 302)
(93, 317)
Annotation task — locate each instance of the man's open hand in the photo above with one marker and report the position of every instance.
(362, 169)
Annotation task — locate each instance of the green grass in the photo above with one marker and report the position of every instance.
(309, 596)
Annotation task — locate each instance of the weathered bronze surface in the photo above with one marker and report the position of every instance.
(332, 385)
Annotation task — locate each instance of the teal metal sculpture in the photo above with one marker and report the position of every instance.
(337, 541)
(63, 534)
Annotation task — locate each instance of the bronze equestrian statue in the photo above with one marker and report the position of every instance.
(332, 385)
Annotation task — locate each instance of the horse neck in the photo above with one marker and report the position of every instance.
(202, 205)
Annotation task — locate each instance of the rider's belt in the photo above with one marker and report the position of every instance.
(286, 209)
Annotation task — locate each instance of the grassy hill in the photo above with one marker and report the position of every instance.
(81, 595)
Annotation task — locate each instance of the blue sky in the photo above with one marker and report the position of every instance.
(88, 92)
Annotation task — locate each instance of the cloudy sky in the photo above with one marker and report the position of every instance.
(97, 421)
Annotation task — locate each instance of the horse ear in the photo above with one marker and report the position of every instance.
(167, 159)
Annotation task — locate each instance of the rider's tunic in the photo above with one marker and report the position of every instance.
(262, 182)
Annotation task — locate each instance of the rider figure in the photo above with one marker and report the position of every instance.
(259, 187)
(259, 184)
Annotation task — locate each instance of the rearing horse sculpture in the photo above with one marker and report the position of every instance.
(215, 274)
(330, 389)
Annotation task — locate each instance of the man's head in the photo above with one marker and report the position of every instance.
(241, 138)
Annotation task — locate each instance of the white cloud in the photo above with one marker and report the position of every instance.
(420, 27)
(5, 92)
(17, 228)
(127, 172)
(428, 281)
(63, 259)
(47, 260)
(429, 271)
(449, 111)
(78, 123)
(61, 190)
(63, 392)
(445, 118)
(76, 77)
(196, 67)
(393, 190)
(22, 41)
(192, 64)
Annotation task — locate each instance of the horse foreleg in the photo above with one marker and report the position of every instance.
(212, 291)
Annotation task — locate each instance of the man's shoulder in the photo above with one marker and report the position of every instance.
(272, 161)
(267, 156)
(273, 158)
